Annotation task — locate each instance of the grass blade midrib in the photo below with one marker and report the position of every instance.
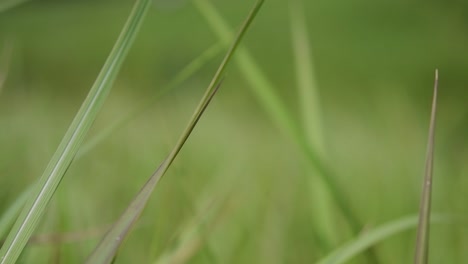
(49, 181)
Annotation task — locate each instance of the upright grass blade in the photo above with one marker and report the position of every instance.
(58, 165)
(309, 101)
(9, 4)
(107, 248)
(422, 242)
(7, 219)
(264, 89)
(353, 248)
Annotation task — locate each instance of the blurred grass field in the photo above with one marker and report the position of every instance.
(374, 66)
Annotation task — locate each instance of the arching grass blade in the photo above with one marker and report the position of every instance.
(372, 237)
(63, 157)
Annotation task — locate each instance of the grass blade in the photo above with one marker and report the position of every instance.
(188, 71)
(422, 242)
(45, 188)
(264, 89)
(373, 237)
(8, 218)
(309, 101)
(107, 248)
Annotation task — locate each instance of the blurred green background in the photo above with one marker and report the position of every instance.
(374, 65)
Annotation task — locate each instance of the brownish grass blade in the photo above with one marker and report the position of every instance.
(421, 253)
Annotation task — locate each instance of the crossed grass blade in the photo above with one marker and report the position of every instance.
(44, 189)
(265, 92)
(107, 248)
(7, 219)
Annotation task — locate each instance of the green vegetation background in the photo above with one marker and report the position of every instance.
(374, 65)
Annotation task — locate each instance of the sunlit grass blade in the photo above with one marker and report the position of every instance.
(311, 112)
(372, 237)
(61, 160)
(422, 241)
(9, 4)
(107, 248)
(266, 93)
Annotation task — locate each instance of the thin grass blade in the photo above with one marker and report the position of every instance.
(188, 71)
(266, 93)
(422, 241)
(311, 112)
(7, 219)
(371, 238)
(63, 157)
(107, 248)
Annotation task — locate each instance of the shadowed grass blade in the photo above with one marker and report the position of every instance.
(48, 183)
(373, 237)
(264, 89)
(422, 242)
(107, 248)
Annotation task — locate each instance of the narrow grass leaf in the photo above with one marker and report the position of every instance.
(63, 157)
(372, 237)
(7, 219)
(107, 248)
(188, 71)
(309, 101)
(422, 241)
(266, 93)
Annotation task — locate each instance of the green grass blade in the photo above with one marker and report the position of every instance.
(264, 89)
(188, 71)
(422, 242)
(309, 101)
(8, 218)
(9, 4)
(107, 248)
(371, 238)
(45, 188)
